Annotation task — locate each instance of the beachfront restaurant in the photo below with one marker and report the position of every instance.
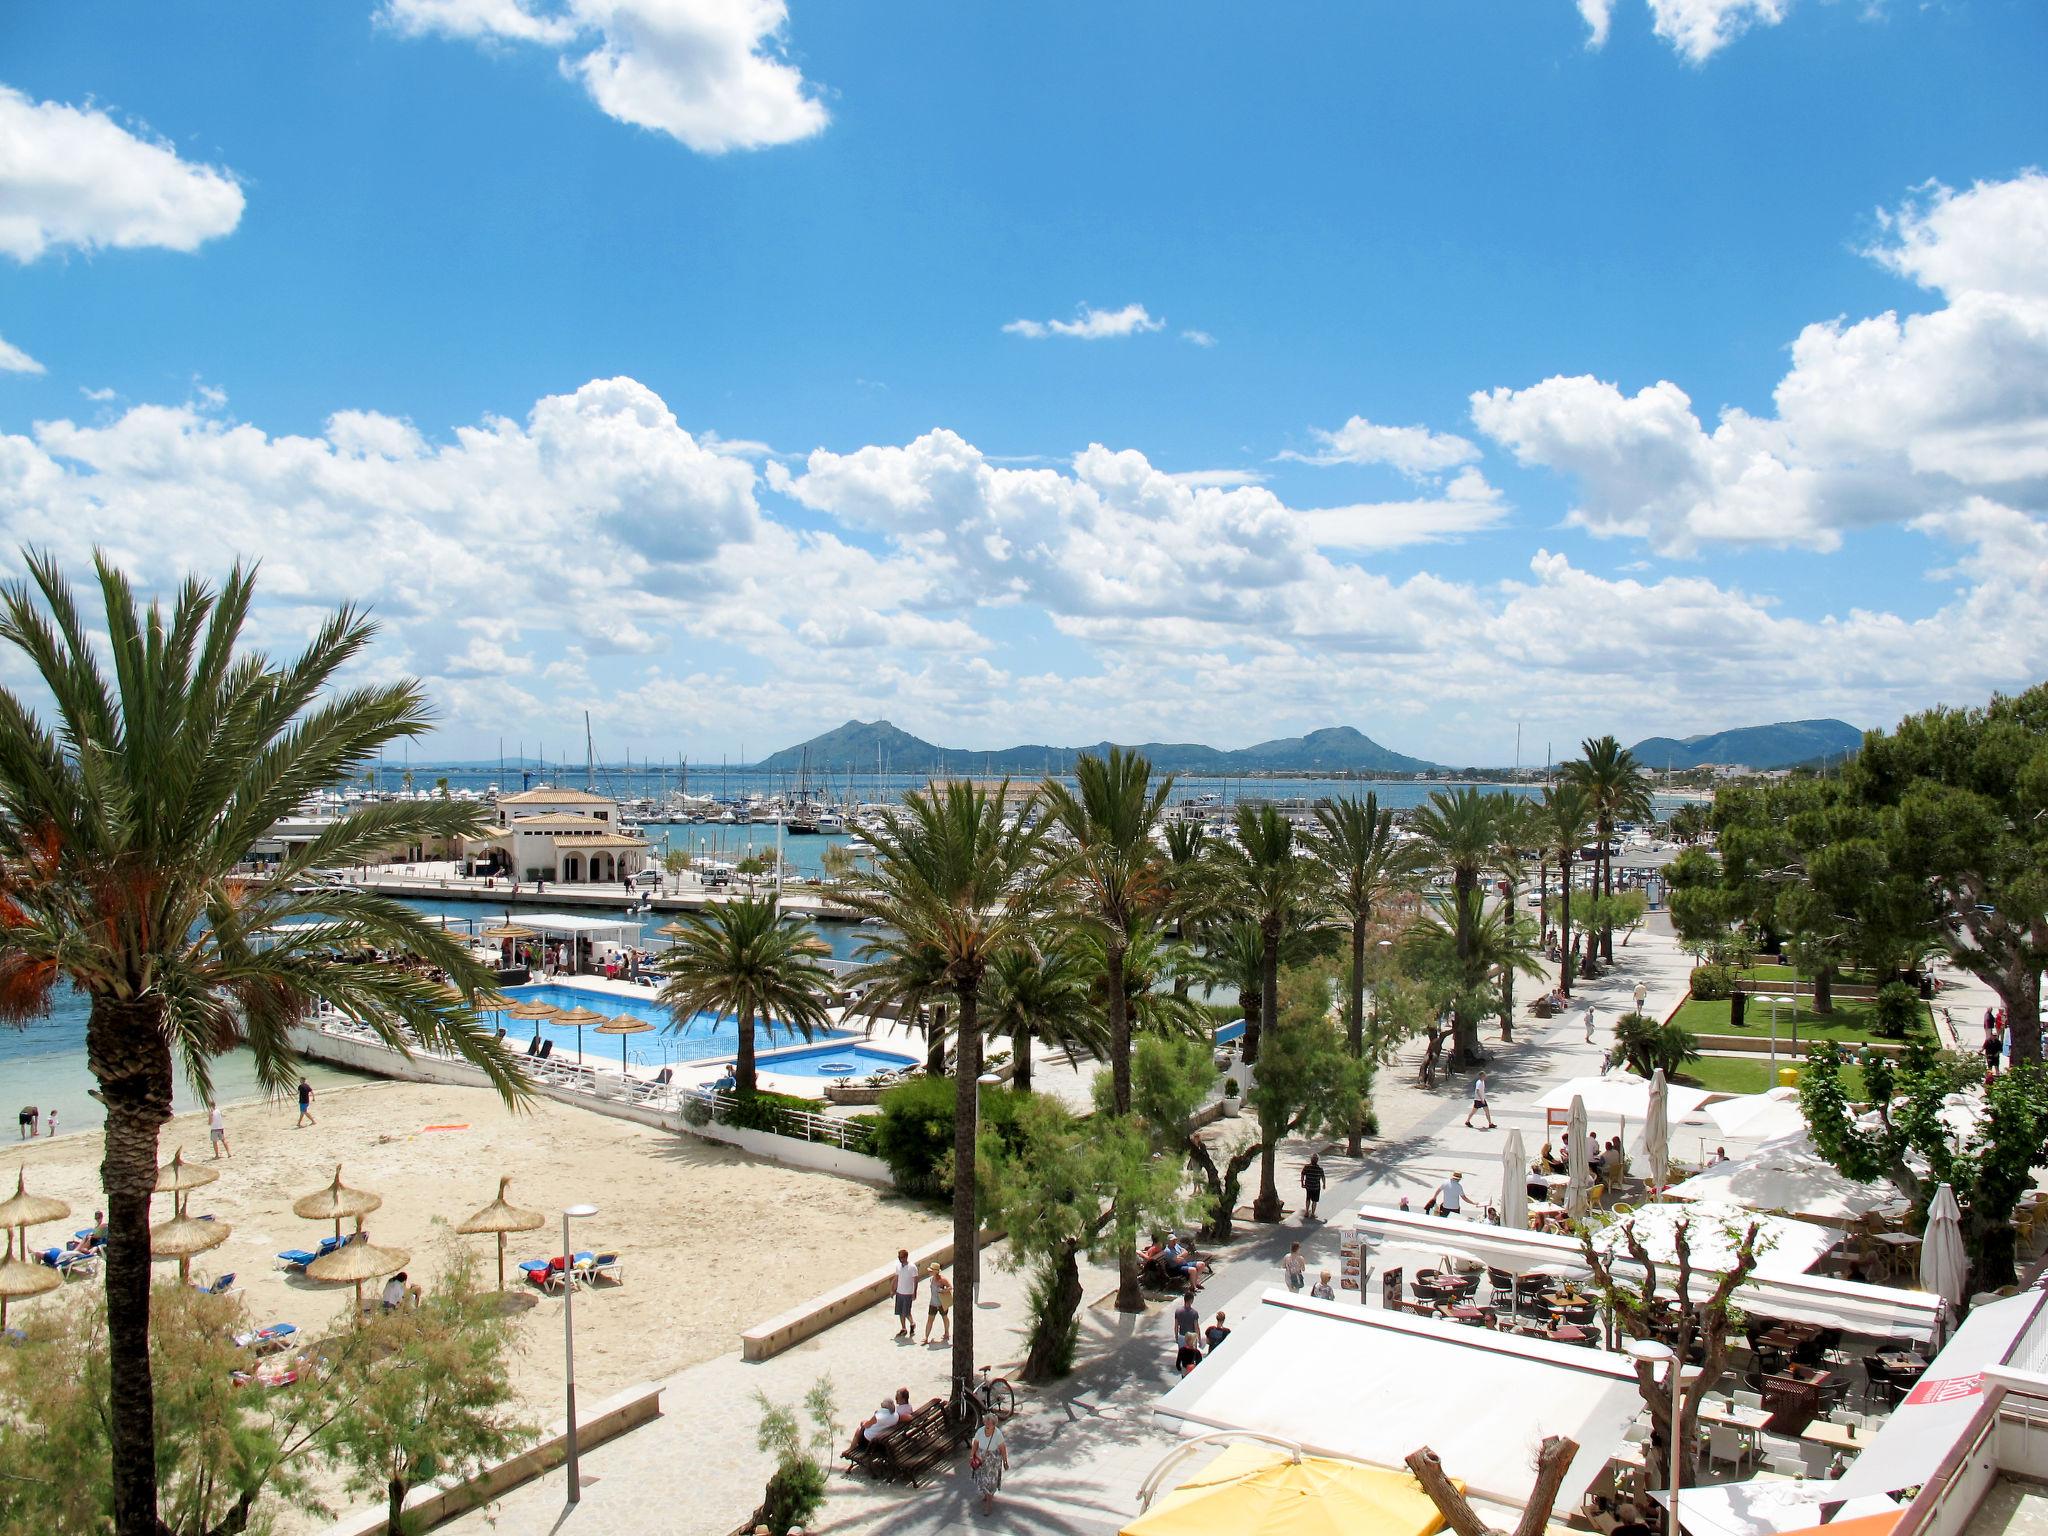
(577, 943)
(559, 847)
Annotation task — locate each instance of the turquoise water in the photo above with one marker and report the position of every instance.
(705, 1037)
(832, 1061)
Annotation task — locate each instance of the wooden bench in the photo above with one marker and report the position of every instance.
(910, 1450)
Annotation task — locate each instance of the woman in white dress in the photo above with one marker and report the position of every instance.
(988, 1457)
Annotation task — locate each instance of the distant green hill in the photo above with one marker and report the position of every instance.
(862, 746)
(1787, 744)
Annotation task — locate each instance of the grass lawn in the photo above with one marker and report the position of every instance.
(1737, 1074)
(1853, 1019)
(1787, 973)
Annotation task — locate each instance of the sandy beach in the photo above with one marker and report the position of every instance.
(713, 1240)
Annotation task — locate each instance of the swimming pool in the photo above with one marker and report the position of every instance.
(837, 1061)
(702, 1038)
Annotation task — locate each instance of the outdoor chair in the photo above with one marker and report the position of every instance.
(1725, 1444)
(1879, 1386)
(219, 1287)
(1775, 1447)
(295, 1259)
(602, 1266)
(1818, 1458)
(1786, 1466)
(1750, 1400)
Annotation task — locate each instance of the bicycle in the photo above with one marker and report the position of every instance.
(972, 1399)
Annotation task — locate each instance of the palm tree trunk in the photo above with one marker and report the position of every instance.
(1607, 890)
(1020, 1058)
(743, 1063)
(1248, 1005)
(128, 1055)
(1355, 1146)
(1267, 1206)
(1464, 1028)
(1128, 1296)
(935, 1040)
(966, 1212)
(1564, 926)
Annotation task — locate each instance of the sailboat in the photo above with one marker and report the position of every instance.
(803, 814)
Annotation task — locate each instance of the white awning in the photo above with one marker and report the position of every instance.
(1787, 1175)
(1386, 1384)
(1623, 1095)
(1876, 1311)
(1934, 1415)
(1714, 1234)
(1760, 1508)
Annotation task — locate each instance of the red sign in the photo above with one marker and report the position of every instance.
(1947, 1390)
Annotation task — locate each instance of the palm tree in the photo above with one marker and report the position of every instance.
(1482, 954)
(1039, 990)
(954, 877)
(1367, 863)
(739, 959)
(1520, 832)
(1111, 882)
(1152, 960)
(1264, 876)
(123, 825)
(1567, 823)
(1461, 828)
(1185, 876)
(1617, 790)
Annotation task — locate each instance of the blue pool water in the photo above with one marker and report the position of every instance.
(837, 1061)
(703, 1038)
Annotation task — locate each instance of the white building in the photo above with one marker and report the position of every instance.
(568, 836)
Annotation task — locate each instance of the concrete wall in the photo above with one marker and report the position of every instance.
(820, 1312)
(444, 1500)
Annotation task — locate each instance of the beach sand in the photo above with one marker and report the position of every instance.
(713, 1240)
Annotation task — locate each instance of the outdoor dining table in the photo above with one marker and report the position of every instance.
(1735, 1416)
(1567, 1333)
(1898, 1363)
(1836, 1437)
(1467, 1314)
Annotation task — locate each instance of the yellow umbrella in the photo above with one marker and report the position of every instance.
(501, 1216)
(22, 1277)
(622, 1025)
(182, 1236)
(355, 1261)
(337, 1202)
(1254, 1490)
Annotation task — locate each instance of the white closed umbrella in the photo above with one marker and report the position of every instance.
(1579, 1173)
(1943, 1266)
(1514, 1185)
(1657, 1131)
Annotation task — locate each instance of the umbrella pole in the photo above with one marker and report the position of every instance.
(501, 1263)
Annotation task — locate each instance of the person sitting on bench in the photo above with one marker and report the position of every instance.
(881, 1423)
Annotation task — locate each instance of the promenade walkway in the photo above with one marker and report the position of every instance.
(1081, 1447)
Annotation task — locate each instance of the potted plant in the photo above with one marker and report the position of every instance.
(1230, 1098)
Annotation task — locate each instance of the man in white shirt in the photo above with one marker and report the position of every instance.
(884, 1420)
(218, 1125)
(1642, 995)
(1449, 1198)
(1589, 1023)
(1479, 1104)
(906, 1294)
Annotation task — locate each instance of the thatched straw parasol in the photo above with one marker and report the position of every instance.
(579, 1016)
(22, 1277)
(354, 1262)
(22, 1209)
(336, 1202)
(622, 1025)
(675, 930)
(182, 1236)
(500, 1217)
(177, 1178)
(502, 931)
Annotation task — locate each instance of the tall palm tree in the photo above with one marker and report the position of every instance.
(1498, 945)
(956, 877)
(1617, 790)
(1367, 863)
(1185, 876)
(739, 958)
(903, 974)
(1112, 882)
(1039, 989)
(1265, 876)
(1567, 823)
(124, 821)
(1152, 959)
(1461, 830)
(1520, 832)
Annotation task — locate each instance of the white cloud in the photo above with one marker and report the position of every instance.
(1199, 338)
(1090, 324)
(1697, 29)
(709, 73)
(1877, 421)
(73, 176)
(1598, 16)
(98, 396)
(1416, 452)
(14, 360)
(1468, 505)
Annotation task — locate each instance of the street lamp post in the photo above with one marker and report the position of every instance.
(1776, 1003)
(569, 1346)
(1658, 1352)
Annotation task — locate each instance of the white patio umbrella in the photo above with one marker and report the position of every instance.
(1514, 1185)
(1578, 1174)
(1943, 1268)
(1657, 1131)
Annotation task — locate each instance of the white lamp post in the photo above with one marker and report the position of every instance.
(1658, 1352)
(569, 1345)
(1777, 1003)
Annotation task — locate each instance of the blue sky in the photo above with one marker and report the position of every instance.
(729, 370)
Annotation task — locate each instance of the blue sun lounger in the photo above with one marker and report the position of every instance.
(296, 1259)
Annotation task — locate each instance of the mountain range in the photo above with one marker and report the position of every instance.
(1788, 744)
(862, 745)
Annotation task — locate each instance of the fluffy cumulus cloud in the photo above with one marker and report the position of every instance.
(1092, 324)
(1415, 451)
(711, 74)
(1697, 29)
(72, 176)
(14, 360)
(1879, 420)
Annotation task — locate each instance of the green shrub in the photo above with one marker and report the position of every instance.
(771, 1112)
(914, 1132)
(1711, 983)
(1898, 1010)
(1643, 1044)
(1064, 1337)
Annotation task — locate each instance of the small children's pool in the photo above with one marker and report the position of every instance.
(836, 1062)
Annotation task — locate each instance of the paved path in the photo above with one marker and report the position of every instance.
(1082, 1447)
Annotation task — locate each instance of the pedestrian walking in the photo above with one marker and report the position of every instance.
(1589, 1023)
(1642, 996)
(1324, 1290)
(217, 1127)
(1993, 1045)
(1294, 1267)
(1312, 1179)
(938, 1303)
(1479, 1104)
(1449, 1198)
(988, 1458)
(906, 1294)
(1216, 1333)
(305, 1104)
(1187, 1317)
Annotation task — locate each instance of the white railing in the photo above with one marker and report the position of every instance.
(800, 1123)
